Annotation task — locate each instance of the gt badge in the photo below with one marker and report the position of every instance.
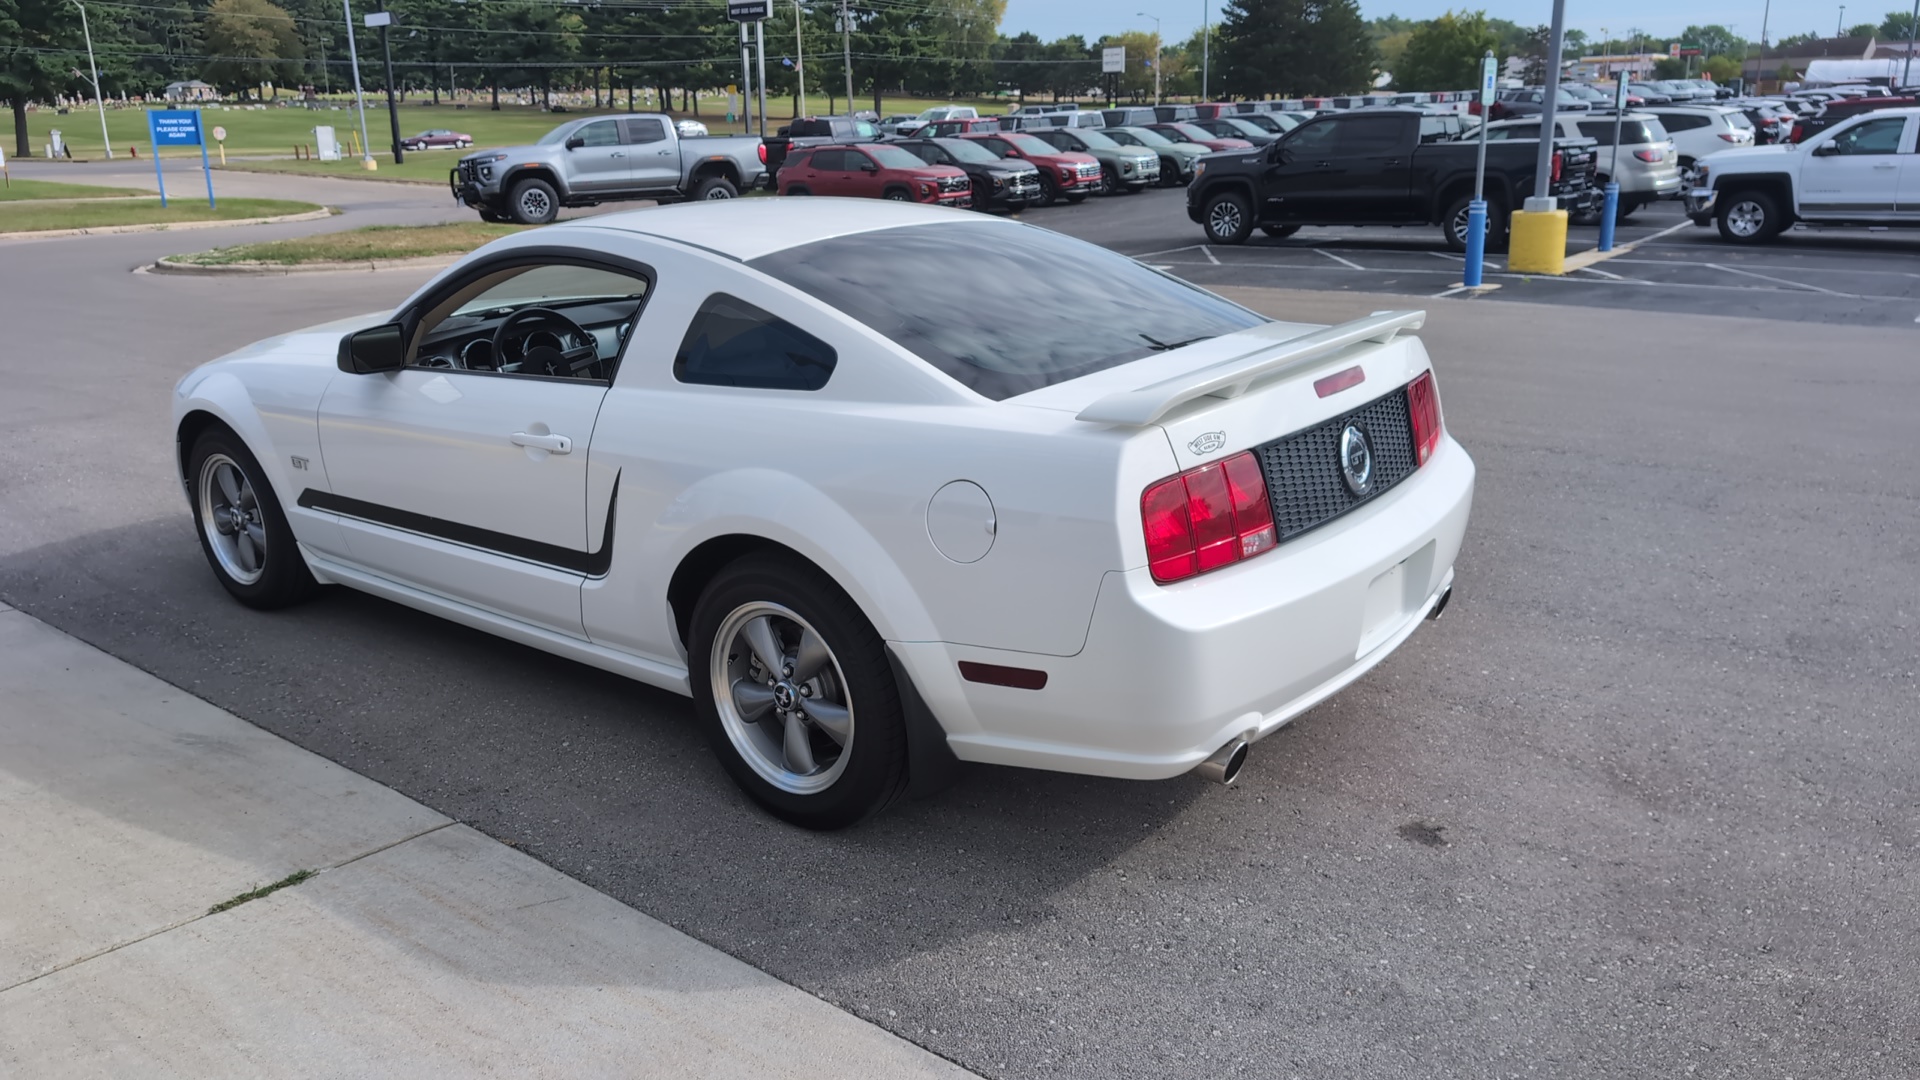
(299, 462)
(1208, 442)
(1356, 460)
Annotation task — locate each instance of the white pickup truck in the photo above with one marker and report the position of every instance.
(1862, 172)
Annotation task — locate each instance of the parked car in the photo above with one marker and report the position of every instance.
(1234, 127)
(1772, 121)
(1043, 110)
(1128, 169)
(690, 129)
(1186, 131)
(1699, 130)
(997, 183)
(1073, 118)
(946, 129)
(1833, 112)
(873, 171)
(1648, 168)
(1273, 123)
(1369, 167)
(1174, 113)
(1177, 159)
(1064, 174)
(605, 159)
(438, 139)
(1132, 116)
(1863, 171)
(1649, 93)
(1531, 101)
(938, 112)
(818, 131)
(891, 125)
(1026, 530)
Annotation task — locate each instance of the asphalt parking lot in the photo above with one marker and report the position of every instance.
(1642, 804)
(1851, 277)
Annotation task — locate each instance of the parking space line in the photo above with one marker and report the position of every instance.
(1350, 264)
(1775, 280)
(1208, 252)
(1169, 251)
(1771, 266)
(1602, 273)
(1593, 255)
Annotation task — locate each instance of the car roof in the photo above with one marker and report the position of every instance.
(747, 229)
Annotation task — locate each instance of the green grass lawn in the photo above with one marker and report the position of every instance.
(27, 190)
(276, 130)
(356, 245)
(429, 167)
(40, 216)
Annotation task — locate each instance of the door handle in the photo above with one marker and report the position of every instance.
(1885, 165)
(552, 444)
(618, 153)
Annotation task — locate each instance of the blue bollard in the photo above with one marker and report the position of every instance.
(1476, 242)
(1608, 211)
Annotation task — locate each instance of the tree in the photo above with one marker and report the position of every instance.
(1897, 27)
(254, 42)
(1670, 67)
(1292, 48)
(1865, 29)
(40, 44)
(1445, 53)
(1721, 68)
(1069, 71)
(1019, 67)
(1713, 40)
(1575, 42)
(1136, 82)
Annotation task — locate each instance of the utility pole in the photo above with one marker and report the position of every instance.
(760, 76)
(359, 97)
(800, 59)
(99, 99)
(1156, 52)
(384, 21)
(1840, 23)
(1913, 30)
(846, 51)
(746, 84)
(1206, 40)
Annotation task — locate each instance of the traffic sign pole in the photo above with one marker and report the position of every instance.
(1477, 209)
(1610, 208)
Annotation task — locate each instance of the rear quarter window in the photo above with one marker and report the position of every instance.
(734, 343)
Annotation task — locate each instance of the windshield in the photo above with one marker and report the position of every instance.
(1194, 133)
(1142, 137)
(1095, 140)
(893, 157)
(1011, 335)
(1028, 144)
(967, 150)
(1244, 127)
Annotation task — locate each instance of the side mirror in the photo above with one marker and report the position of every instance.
(575, 142)
(1826, 149)
(377, 348)
(868, 166)
(1282, 154)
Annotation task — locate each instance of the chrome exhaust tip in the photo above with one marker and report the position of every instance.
(1225, 764)
(1440, 605)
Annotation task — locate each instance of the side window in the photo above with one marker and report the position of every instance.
(829, 160)
(645, 129)
(1314, 138)
(555, 319)
(733, 343)
(601, 133)
(1683, 121)
(999, 147)
(866, 130)
(1872, 137)
(1372, 134)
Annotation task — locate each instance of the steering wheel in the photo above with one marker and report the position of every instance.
(546, 359)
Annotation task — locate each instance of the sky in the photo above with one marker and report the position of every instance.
(1180, 18)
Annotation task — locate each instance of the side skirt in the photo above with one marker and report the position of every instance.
(639, 669)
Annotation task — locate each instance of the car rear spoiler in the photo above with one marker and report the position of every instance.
(1230, 378)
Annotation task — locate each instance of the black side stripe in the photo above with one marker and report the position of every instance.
(592, 564)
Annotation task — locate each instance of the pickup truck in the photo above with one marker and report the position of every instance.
(1374, 167)
(1863, 171)
(819, 131)
(604, 159)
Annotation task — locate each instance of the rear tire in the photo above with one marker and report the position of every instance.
(243, 532)
(852, 761)
(897, 195)
(715, 187)
(1227, 218)
(1170, 173)
(1750, 217)
(534, 202)
(1049, 191)
(1453, 226)
(796, 190)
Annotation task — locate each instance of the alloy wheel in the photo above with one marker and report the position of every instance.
(534, 203)
(231, 517)
(1746, 218)
(782, 698)
(1224, 218)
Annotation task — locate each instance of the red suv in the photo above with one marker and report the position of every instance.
(1064, 174)
(868, 171)
(1188, 133)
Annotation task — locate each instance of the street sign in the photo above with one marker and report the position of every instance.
(1673, 50)
(379, 18)
(177, 127)
(1620, 94)
(1689, 50)
(1489, 69)
(219, 134)
(749, 10)
(1113, 59)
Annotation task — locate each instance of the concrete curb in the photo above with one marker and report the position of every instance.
(165, 226)
(425, 262)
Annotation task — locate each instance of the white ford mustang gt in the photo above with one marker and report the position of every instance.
(882, 487)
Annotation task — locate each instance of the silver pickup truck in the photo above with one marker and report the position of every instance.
(603, 159)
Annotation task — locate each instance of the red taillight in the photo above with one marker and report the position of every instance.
(1423, 407)
(1207, 517)
(1648, 155)
(1728, 136)
(763, 153)
(1558, 163)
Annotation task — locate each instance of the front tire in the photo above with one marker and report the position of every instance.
(715, 187)
(243, 532)
(1750, 217)
(1228, 218)
(534, 202)
(1049, 191)
(794, 689)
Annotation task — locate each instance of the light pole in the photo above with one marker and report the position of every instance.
(360, 98)
(1206, 33)
(1913, 30)
(800, 61)
(1841, 22)
(1156, 52)
(99, 99)
(846, 51)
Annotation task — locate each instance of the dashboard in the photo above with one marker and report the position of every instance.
(466, 340)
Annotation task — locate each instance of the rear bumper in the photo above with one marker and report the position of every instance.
(1171, 673)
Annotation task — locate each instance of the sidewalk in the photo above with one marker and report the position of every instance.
(418, 948)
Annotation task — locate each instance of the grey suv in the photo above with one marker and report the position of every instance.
(1122, 168)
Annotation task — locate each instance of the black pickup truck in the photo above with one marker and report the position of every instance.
(1376, 167)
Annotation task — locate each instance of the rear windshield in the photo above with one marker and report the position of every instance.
(1632, 132)
(1041, 308)
(1740, 120)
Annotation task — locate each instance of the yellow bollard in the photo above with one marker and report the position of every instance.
(1537, 243)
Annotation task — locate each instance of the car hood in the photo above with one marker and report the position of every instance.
(529, 150)
(1010, 168)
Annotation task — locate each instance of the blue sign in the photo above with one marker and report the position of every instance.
(175, 127)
